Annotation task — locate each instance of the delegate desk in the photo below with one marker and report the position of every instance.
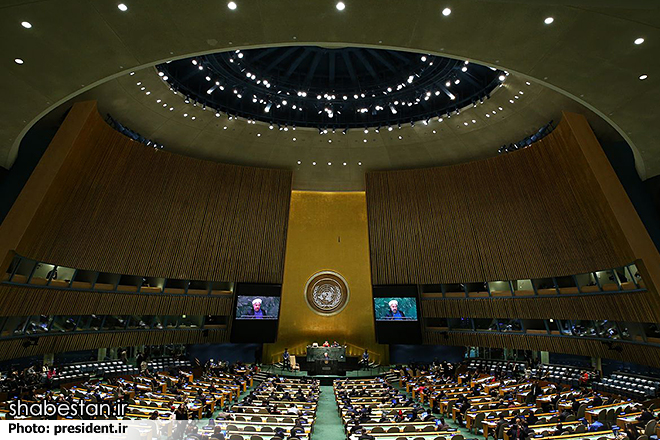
(335, 353)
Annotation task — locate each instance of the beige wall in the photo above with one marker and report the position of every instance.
(327, 231)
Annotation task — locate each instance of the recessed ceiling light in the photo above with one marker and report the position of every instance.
(549, 20)
(329, 141)
(446, 12)
(294, 139)
(299, 162)
(639, 41)
(360, 163)
(400, 137)
(365, 140)
(185, 115)
(340, 6)
(528, 83)
(344, 164)
(232, 5)
(19, 61)
(28, 25)
(329, 163)
(314, 163)
(258, 134)
(502, 77)
(643, 77)
(122, 7)
(224, 128)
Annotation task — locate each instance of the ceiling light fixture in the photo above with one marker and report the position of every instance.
(19, 61)
(549, 20)
(639, 41)
(643, 77)
(446, 12)
(28, 25)
(232, 5)
(122, 7)
(340, 6)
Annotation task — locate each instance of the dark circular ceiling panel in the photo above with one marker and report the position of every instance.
(309, 86)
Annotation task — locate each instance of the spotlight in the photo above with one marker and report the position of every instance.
(232, 5)
(340, 6)
(446, 12)
(549, 20)
(122, 7)
(639, 41)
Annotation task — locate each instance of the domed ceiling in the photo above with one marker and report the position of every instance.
(309, 86)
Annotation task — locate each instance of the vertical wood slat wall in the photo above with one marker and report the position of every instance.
(636, 307)
(11, 349)
(27, 301)
(635, 353)
(122, 207)
(533, 213)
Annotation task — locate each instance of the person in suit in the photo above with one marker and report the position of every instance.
(536, 391)
(394, 312)
(256, 312)
(286, 359)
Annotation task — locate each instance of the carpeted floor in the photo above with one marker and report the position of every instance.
(328, 425)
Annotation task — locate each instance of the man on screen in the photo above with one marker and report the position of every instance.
(256, 312)
(394, 312)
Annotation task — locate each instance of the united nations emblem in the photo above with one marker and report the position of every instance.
(326, 293)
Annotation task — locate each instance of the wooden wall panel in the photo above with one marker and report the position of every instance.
(636, 307)
(119, 206)
(636, 353)
(26, 301)
(533, 213)
(11, 349)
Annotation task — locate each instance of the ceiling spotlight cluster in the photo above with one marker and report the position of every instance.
(330, 88)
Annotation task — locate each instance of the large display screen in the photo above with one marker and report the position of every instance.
(395, 309)
(257, 307)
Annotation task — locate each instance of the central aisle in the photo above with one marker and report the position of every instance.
(328, 424)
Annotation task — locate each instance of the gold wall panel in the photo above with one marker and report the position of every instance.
(327, 231)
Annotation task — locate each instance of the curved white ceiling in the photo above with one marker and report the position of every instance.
(587, 53)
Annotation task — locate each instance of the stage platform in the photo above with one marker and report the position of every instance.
(325, 379)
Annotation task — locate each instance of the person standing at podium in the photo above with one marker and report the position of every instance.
(286, 361)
